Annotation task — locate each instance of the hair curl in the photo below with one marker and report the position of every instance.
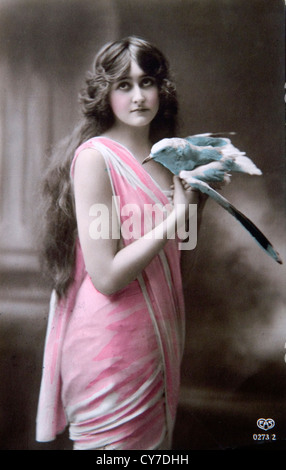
(111, 63)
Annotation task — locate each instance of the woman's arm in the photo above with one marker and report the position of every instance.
(110, 267)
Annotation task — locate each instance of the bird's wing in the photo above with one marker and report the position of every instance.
(206, 140)
(241, 163)
(245, 222)
(212, 172)
(213, 134)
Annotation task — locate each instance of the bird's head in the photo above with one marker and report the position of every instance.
(166, 152)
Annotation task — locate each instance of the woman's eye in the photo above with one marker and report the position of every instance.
(123, 86)
(148, 81)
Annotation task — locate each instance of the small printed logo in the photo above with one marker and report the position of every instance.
(265, 424)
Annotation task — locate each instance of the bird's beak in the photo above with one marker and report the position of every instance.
(147, 159)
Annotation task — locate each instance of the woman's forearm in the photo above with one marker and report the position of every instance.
(129, 261)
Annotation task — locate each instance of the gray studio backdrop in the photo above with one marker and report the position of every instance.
(227, 57)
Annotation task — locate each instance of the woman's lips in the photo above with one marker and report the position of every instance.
(139, 110)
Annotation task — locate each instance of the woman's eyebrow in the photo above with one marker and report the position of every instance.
(125, 77)
(128, 77)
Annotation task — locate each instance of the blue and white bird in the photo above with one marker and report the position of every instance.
(203, 159)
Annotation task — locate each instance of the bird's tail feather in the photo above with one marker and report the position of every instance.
(256, 233)
(245, 222)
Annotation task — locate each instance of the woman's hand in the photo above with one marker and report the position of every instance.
(215, 174)
(183, 194)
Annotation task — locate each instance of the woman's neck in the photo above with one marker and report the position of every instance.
(134, 139)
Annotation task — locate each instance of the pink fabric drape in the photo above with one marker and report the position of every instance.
(112, 363)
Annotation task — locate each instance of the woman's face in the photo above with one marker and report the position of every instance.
(134, 99)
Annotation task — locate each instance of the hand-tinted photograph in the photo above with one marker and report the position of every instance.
(142, 225)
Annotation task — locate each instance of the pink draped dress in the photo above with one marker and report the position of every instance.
(112, 362)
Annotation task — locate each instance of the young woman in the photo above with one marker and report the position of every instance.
(116, 324)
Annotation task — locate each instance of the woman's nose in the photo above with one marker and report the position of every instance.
(138, 95)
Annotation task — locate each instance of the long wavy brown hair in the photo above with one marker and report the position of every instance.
(59, 232)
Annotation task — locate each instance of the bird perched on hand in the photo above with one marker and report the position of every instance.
(203, 159)
(187, 153)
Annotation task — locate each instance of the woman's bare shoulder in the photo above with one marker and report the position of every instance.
(90, 165)
(89, 158)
